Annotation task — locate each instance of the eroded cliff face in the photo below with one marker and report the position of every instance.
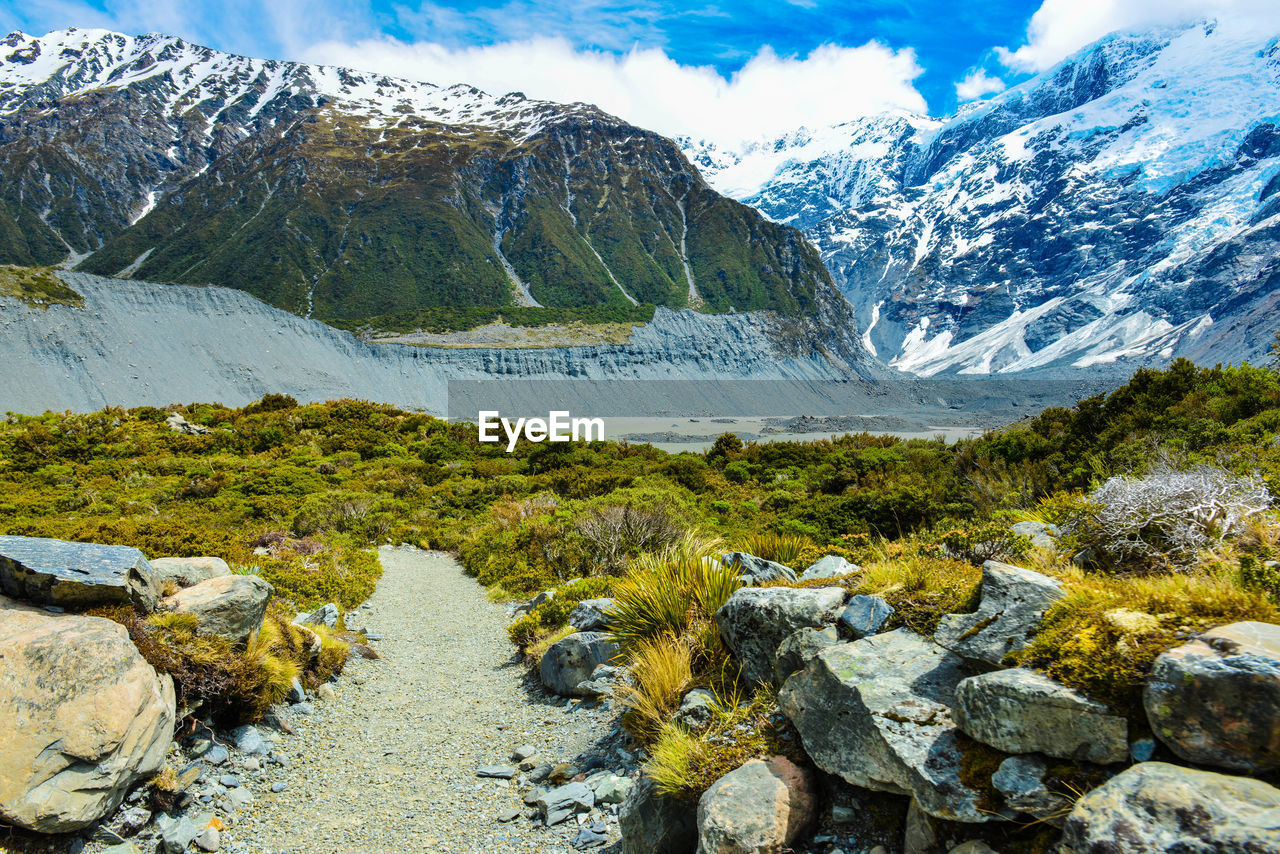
(138, 343)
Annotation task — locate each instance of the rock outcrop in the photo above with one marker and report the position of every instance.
(572, 660)
(756, 620)
(794, 652)
(187, 571)
(1154, 807)
(1023, 711)
(75, 575)
(82, 718)
(1216, 700)
(591, 615)
(865, 615)
(231, 606)
(877, 712)
(761, 807)
(1014, 601)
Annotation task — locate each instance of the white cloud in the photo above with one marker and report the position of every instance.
(768, 96)
(978, 83)
(1061, 27)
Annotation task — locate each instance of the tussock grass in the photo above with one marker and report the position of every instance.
(785, 549)
(662, 668)
(668, 595)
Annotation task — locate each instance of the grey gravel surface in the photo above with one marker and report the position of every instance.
(390, 764)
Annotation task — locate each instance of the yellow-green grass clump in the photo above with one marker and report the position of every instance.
(36, 286)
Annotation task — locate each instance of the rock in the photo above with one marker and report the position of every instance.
(697, 709)
(1023, 711)
(973, 846)
(498, 772)
(612, 789)
(231, 606)
(757, 570)
(278, 787)
(1156, 807)
(1216, 700)
(134, 819)
(216, 754)
(231, 781)
(302, 709)
(75, 575)
(591, 615)
(249, 740)
(209, 839)
(326, 693)
(755, 622)
(877, 712)
(831, 566)
(920, 831)
(564, 802)
(83, 717)
(654, 824)
(571, 660)
(1014, 601)
(1142, 749)
(326, 616)
(590, 836)
(122, 848)
(239, 798)
(296, 692)
(761, 807)
(176, 833)
(187, 571)
(1041, 534)
(178, 424)
(509, 814)
(543, 597)
(523, 752)
(800, 646)
(540, 772)
(865, 616)
(1020, 781)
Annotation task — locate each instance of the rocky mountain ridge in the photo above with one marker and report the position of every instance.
(1119, 207)
(343, 195)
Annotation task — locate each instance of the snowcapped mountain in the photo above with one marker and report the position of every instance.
(350, 196)
(1123, 206)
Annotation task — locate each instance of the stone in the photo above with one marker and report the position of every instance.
(176, 833)
(591, 835)
(1157, 807)
(187, 571)
(1024, 711)
(591, 615)
(570, 661)
(302, 709)
(612, 789)
(1216, 699)
(209, 839)
(1014, 601)
(542, 598)
(296, 692)
(231, 606)
(920, 831)
(654, 824)
(497, 772)
(239, 798)
(800, 646)
(231, 781)
(755, 621)
(877, 712)
(697, 709)
(754, 570)
(1142, 749)
(134, 819)
(973, 846)
(278, 787)
(523, 752)
(326, 693)
(831, 566)
(761, 807)
(83, 718)
(1042, 535)
(509, 814)
(249, 740)
(1020, 781)
(865, 616)
(216, 754)
(75, 575)
(326, 616)
(122, 848)
(564, 802)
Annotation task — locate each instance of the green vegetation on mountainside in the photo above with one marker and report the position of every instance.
(36, 286)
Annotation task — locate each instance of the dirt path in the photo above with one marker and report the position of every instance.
(390, 764)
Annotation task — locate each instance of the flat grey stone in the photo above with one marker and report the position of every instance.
(75, 575)
(865, 615)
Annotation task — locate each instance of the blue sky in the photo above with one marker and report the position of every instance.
(724, 71)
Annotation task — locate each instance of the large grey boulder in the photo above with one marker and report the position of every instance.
(83, 717)
(1023, 711)
(187, 571)
(75, 575)
(570, 662)
(1154, 808)
(657, 824)
(1043, 535)
(1014, 601)
(761, 807)
(756, 620)
(591, 615)
(831, 566)
(757, 570)
(231, 606)
(877, 712)
(800, 646)
(1216, 700)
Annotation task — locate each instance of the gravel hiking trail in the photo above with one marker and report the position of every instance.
(390, 764)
